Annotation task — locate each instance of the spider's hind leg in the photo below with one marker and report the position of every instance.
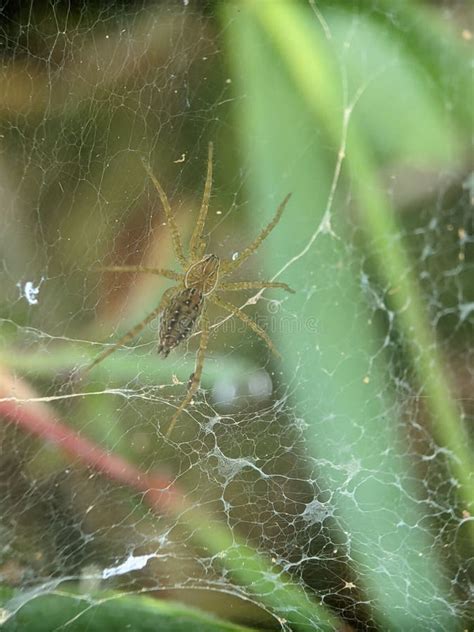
(132, 333)
(241, 315)
(195, 377)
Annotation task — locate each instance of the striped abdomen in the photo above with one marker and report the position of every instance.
(179, 318)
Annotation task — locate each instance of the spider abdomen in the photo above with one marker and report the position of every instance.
(179, 319)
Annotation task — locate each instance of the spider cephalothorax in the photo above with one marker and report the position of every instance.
(204, 275)
(183, 305)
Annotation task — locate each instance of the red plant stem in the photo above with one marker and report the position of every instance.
(18, 405)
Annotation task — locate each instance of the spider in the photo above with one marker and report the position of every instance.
(201, 282)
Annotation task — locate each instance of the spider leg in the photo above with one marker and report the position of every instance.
(168, 274)
(165, 299)
(253, 285)
(195, 378)
(197, 245)
(236, 311)
(175, 236)
(230, 266)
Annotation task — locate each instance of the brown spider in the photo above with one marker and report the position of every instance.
(183, 304)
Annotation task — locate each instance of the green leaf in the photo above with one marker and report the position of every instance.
(102, 612)
(294, 129)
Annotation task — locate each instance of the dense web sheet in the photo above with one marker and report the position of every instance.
(326, 466)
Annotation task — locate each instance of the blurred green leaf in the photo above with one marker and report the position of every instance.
(396, 103)
(344, 391)
(103, 612)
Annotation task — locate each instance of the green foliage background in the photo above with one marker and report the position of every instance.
(360, 110)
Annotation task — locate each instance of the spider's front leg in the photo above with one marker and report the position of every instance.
(229, 266)
(195, 378)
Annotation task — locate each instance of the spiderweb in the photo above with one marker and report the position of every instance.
(320, 483)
